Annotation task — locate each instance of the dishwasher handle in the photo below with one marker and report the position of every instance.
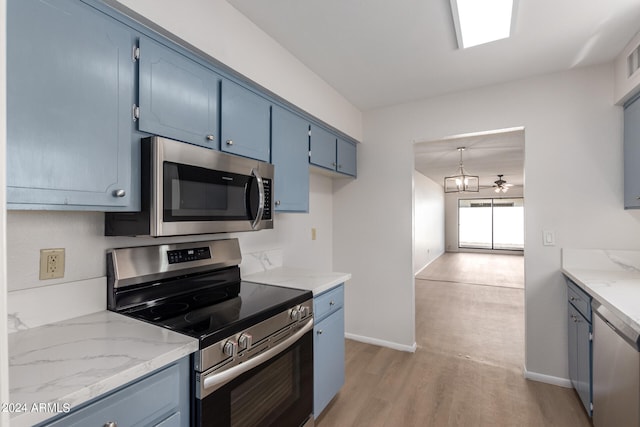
(625, 331)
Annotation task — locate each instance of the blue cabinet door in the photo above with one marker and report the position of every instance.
(328, 352)
(178, 96)
(290, 157)
(162, 398)
(70, 93)
(323, 148)
(580, 356)
(245, 122)
(632, 154)
(346, 157)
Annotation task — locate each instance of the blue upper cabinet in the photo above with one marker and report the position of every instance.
(632, 155)
(245, 122)
(322, 145)
(346, 157)
(290, 156)
(70, 80)
(178, 97)
(330, 152)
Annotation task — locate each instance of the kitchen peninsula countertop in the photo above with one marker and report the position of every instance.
(73, 361)
(299, 278)
(611, 277)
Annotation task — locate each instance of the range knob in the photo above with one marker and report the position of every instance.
(245, 341)
(295, 313)
(304, 311)
(230, 348)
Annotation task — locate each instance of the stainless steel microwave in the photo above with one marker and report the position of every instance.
(188, 189)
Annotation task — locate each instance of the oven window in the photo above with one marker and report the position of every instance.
(192, 193)
(251, 406)
(277, 393)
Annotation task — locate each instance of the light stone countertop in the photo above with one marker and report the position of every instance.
(73, 361)
(299, 278)
(611, 277)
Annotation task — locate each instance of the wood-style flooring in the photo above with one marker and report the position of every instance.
(467, 369)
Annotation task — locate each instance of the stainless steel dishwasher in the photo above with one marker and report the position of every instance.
(616, 371)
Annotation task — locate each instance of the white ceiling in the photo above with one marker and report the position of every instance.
(486, 155)
(381, 52)
(378, 53)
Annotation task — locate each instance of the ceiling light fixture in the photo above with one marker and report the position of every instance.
(501, 185)
(462, 181)
(482, 21)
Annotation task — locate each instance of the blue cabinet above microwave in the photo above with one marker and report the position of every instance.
(86, 81)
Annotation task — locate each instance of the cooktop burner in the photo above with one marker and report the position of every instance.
(203, 298)
(254, 303)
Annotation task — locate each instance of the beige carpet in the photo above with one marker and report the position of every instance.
(478, 269)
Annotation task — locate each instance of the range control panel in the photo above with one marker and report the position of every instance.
(186, 255)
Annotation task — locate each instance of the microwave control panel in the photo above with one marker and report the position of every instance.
(266, 182)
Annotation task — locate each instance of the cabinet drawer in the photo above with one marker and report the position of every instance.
(152, 400)
(328, 302)
(579, 299)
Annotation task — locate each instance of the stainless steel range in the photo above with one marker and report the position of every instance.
(255, 363)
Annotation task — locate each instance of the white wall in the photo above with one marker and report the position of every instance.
(451, 212)
(82, 236)
(428, 221)
(219, 30)
(4, 346)
(574, 186)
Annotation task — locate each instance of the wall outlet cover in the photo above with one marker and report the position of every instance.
(51, 263)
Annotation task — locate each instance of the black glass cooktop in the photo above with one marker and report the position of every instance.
(212, 314)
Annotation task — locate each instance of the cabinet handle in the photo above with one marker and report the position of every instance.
(332, 302)
(277, 202)
(119, 193)
(334, 164)
(319, 332)
(210, 138)
(111, 424)
(229, 142)
(572, 298)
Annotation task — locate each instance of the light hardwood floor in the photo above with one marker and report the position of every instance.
(467, 369)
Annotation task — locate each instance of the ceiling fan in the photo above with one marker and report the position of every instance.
(501, 185)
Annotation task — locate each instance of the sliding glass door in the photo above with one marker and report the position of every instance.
(491, 223)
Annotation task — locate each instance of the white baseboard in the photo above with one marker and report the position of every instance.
(547, 379)
(382, 343)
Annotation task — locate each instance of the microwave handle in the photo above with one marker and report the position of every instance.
(260, 212)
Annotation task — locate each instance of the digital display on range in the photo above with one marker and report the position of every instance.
(186, 255)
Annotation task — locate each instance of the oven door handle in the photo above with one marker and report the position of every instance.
(260, 211)
(216, 380)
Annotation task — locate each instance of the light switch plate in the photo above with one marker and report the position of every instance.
(548, 238)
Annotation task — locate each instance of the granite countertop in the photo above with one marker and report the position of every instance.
(299, 278)
(611, 277)
(71, 362)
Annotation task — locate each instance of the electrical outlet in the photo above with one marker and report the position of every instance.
(313, 233)
(51, 263)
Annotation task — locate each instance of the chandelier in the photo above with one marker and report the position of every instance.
(501, 185)
(462, 181)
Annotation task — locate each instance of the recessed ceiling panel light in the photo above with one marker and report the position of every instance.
(481, 21)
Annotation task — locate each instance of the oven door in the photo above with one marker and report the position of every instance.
(199, 190)
(276, 392)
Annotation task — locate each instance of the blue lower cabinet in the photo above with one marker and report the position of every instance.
(580, 344)
(160, 399)
(328, 347)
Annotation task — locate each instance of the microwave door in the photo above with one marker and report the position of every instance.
(255, 199)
